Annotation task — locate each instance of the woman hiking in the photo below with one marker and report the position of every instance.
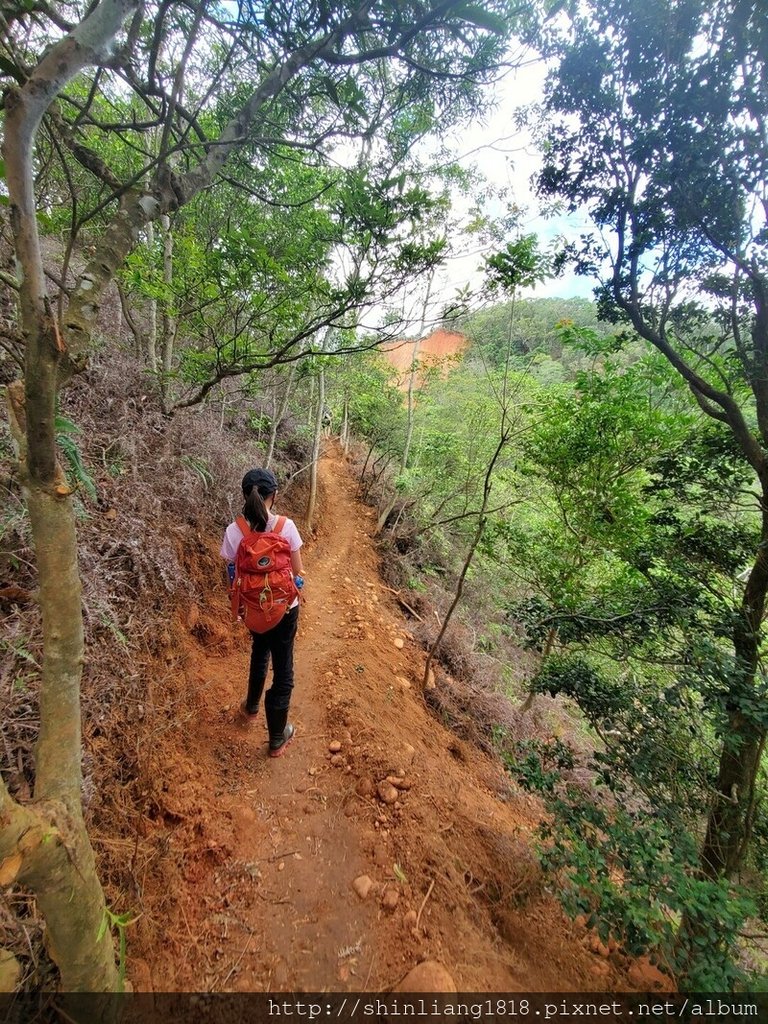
(265, 568)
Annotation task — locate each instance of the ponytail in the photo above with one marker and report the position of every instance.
(255, 511)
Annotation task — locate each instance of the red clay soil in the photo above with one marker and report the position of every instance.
(438, 347)
(263, 899)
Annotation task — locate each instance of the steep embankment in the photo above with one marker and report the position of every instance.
(271, 848)
(437, 348)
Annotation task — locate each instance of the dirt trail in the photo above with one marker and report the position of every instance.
(271, 847)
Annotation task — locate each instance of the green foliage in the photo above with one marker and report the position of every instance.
(631, 543)
(540, 328)
(635, 878)
(77, 473)
(120, 922)
(538, 765)
(200, 469)
(518, 265)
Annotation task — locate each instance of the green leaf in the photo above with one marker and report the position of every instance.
(400, 875)
(7, 67)
(330, 88)
(483, 19)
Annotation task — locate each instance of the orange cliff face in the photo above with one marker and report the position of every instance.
(436, 348)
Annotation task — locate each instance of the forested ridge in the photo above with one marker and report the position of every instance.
(213, 223)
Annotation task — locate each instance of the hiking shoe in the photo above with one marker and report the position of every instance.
(277, 744)
(246, 714)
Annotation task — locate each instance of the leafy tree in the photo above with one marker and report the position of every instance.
(632, 557)
(518, 265)
(657, 125)
(534, 329)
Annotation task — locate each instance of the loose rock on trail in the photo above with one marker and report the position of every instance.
(379, 842)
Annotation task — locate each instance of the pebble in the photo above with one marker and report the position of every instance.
(410, 919)
(596, 946)
(399, 643)
(428, 976)
(390, 899)
(364, 788)
(362, 886)
(396, 781)
(337, 760)
(281, 866)
(404, 683)
(387, 793)
(334, 746)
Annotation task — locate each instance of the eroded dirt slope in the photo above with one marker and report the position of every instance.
(270, 849)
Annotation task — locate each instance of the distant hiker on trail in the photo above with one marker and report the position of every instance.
(265, 572)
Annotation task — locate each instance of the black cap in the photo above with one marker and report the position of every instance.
(264, 480)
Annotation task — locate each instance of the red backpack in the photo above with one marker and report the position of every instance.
(263, 589)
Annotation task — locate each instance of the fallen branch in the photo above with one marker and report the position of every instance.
(423, 902)
(405, 604)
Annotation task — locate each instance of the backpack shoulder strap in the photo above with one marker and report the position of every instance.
(245, 526)
(279, 524)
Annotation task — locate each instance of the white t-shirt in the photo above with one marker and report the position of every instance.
(233, 535)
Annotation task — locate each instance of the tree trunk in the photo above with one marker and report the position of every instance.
(368, 455)
(385, 513)
(168, 321)
(139, 346)
(152, 311)
(481, 519)
(45, 846)
(345, 426)
(414, 371)
(316, 450)
(278, 418)
(410, 407)
(729, 825)
(311, 402)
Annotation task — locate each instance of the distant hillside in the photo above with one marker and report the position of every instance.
(432, 350)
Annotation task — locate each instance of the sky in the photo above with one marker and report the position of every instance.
(508, 158)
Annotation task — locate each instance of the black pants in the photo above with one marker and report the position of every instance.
(278, 643)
